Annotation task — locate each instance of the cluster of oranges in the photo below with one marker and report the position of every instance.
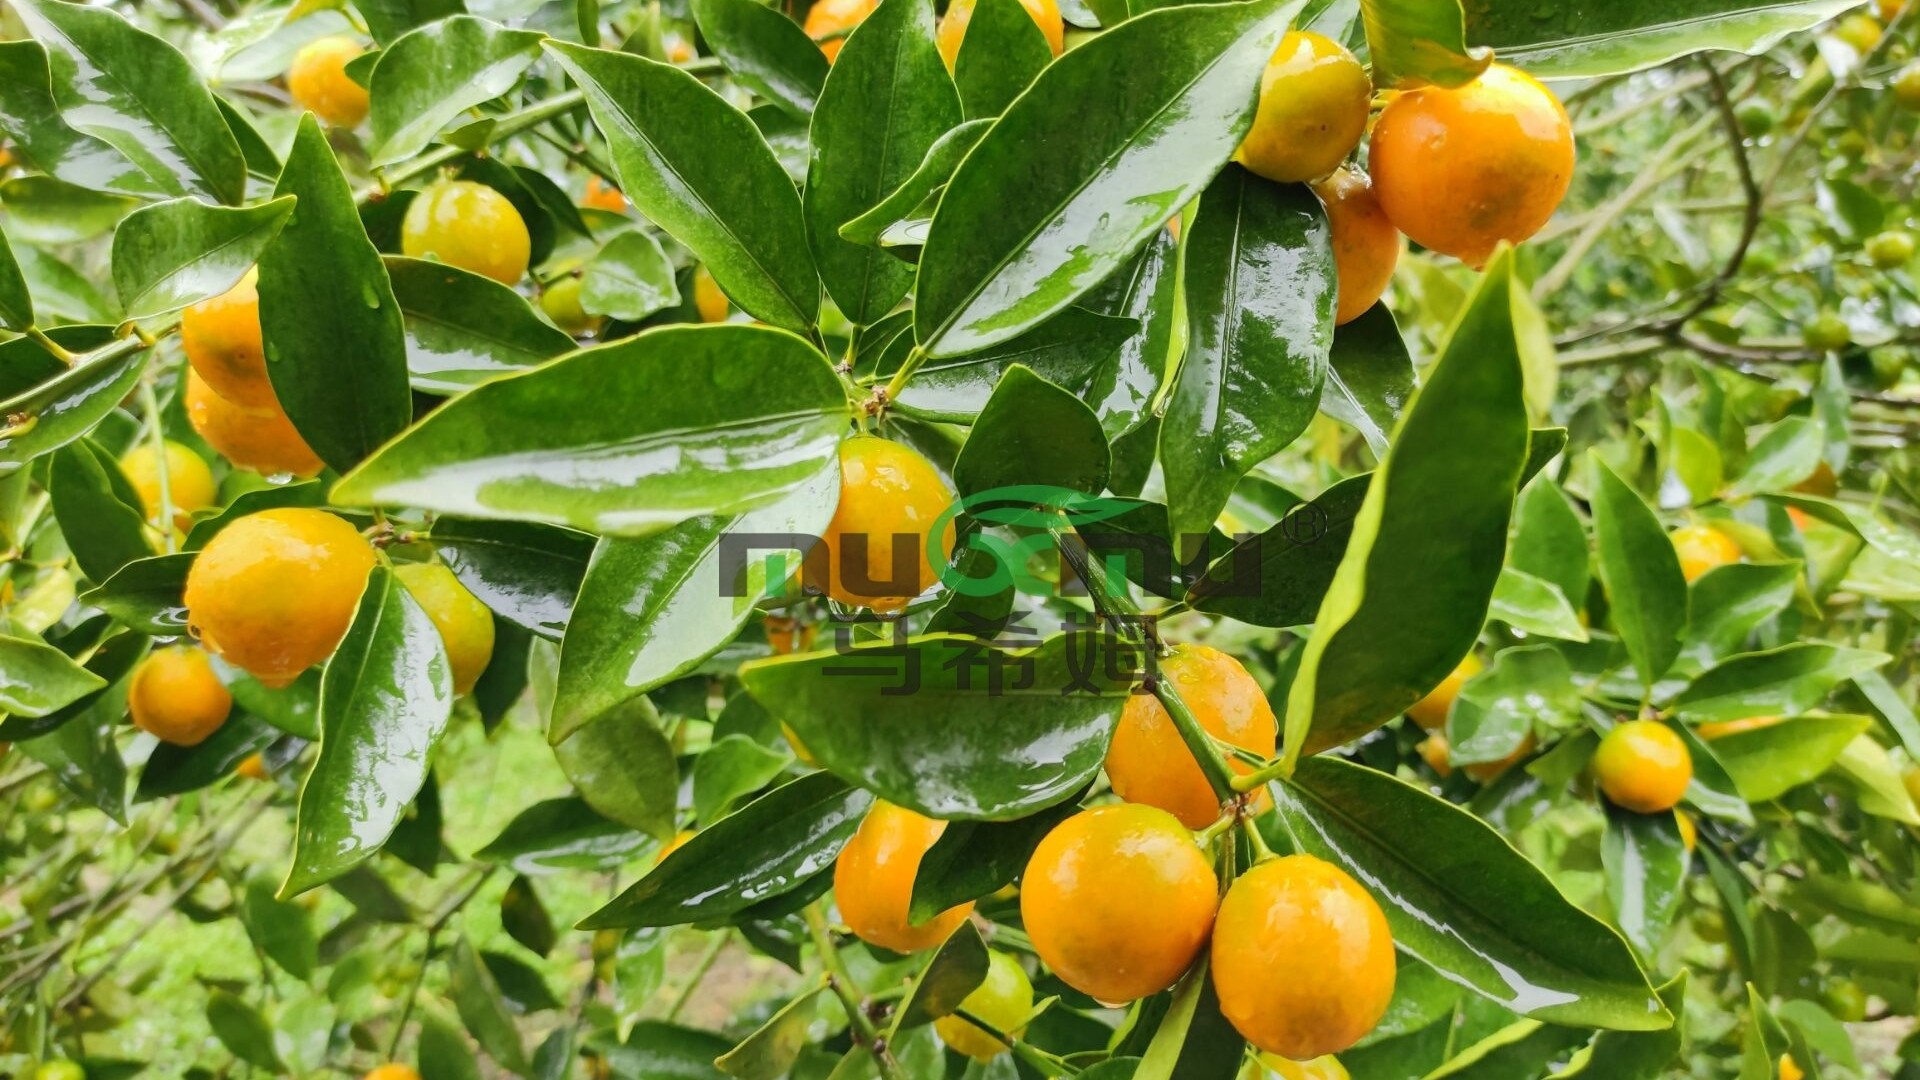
(829, 21)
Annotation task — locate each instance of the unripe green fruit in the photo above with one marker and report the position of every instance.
(1826, 332)
(561, 301)
(60, 1070)
(1850, 145)
(1906, 87)
(1890, 249)
(1756, 118)
(1846, 1001)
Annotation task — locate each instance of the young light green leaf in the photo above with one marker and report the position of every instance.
(1528, 603)
(1767, 762)
(729, 770)
(432, 75)
(1782, 458)
(622, 764)
(773, 1047)
(180, 252)
(37, 679)
(1785, 681)
(1729, 602)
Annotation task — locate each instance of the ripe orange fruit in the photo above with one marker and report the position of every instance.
(263, 440)
(274, 592)
(253, 767)
(1436, 753)
(1366, 246)
(1888, 9)
(889, 495)
(560, 299)
(1643, 766)
(318, 81)
(953, 26)
(1314, 98)
(873, 880)
(1307, 916)
(222, 340)
(1789, 1068)
(393, 1071)
(1327, 1067)
(1719, 729)
(190, 485)
(1460, 170)
(1149, 763)
(1701, 548)
(829, 21)
(1430, 712)
(679, 841)
(1003, 1000)
(601, 195)
(470, 226)
(1118, 901)
(465, 624)
(708, 300)
(1487, 770)
(175, 696)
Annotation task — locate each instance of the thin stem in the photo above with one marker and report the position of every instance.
(151, 404)
(700, 970)
(915, 357)
(510, 124)
(439, 923)
(59, 352)
(1749, 189)
(844, 988)
(1251, 830)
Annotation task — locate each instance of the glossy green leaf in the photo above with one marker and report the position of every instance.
(1567, 43)
(1525, 689)
(1782, 458)
(1877, 781)
(463, 329)
(207, 526)
(1369, 376)
(36, 678)
(26, 364)
(1000, 56)
(1785, 681)
(38, 131)
(1067, 350)
(657, 1049)
(773, 1047)
(1010, 246)
(82, 755)
(337, 356)
(561, 834)
(729, 770)
(527, 574)
(886, 101)
(16, 303)
(1460, 899)
(283, 931)
(176, 770)
(432, 75)
(180, 252)
(1646, 867)
(1768, 762)
(698, 168)
(64, 408)
(624, 438)
(103, 532)
(1634, 1055)
(1389, 628)
(1519, 1051)
(1729, 602)
(1259, 290)
(928, 177)
(1892, 708)
(390, 19)
(242, 1030)
(1415, 42)
(1712, 790)
(972, 859)
(477, 998)
(653, 608)
(522, 988)
(765, 50)
(1527, 603)
(630, 278)
(136, 92)
(61, 292)
(146, 594)
(983, 734)
(956, 970)
(1647, 594)
(1032, 432)
(1122, 389)
(765, 849)
(112, 661)
(385, 698)
(623, 766)
(1279, 577)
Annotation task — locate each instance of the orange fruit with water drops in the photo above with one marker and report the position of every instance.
(189, 483)
(601, 195)
(1148, 762)
(392, 1071)
(221, 336)
(318, 81)
(953, 26)
(253, 767)
(1720, 729)
(263, 440)
(1308, 916)
(1430, 712)
(890, 496)
(1643, 766)
(1004, 999)
(829, 21)
(873, 880)
(465, 624)
(1461, 170)
(470, 226)
(1118, 901)
(274, 592)
(1314, 99)
(708, 300)
(1366, 246)
(175, 696)
(1701, 548)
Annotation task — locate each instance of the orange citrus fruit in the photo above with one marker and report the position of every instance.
(1430, 712)
(708, 300)
(953, 26)
(1701, 548)
(1719, 729)
(1643, 766)
(1314, 98)
(601, 195)
(873, 880)
(889, 495)
(263, 440)
(1149, 763)
(175, 696)
(222, 340)
(1366, 246)
(829, 22)
(470, 226)
(318, 81)
(465, 624)
(190, 485)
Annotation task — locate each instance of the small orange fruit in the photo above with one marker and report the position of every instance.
(318, 81)
(1789, 1068)
(392, 1072)
(470, 226)
(1366, 246)
(679, 841)
(1004, 999)
(175, 696)
(1701, 548)
(1436, 753)
(1689, 832)
(1720, 729)
(465, 624)
(829, 22)
(873, 880)
(1308, 916)
(1461, 170)
(1430, 712)
(601, 195)
(1486, 770)
(953, 26)
(253, 767)
(274, 592)
(1643, 766)
(889, 495)
(1118, 900)
(1149, 763)
(708, 300)
(222, 340)
(190, 485)
(1314, 98)
(263, 440)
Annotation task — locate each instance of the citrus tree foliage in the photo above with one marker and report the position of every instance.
(439, 448)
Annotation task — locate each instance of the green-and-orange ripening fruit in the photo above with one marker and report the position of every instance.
(953, 26)
(1366, 246)
(221, 337)
(1702, 548)
(1458, 171)
(889, 495)
(465, 624)
(470, 226)
(263, 440)
(175, 696)
(561, 301)
(1004, 999)
(1430, 712)
(829, 21)
(1643, 766)
(189, 483)
(1118, 900)
(873, 880)
(1314, 99)
(1148, 762)
(318, 81)
(1301, 915)
(274, 592)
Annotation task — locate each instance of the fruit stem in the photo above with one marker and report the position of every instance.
(843, 987)
(699, 975)
(59, 352)
(911, 364)
(150, 403)
(1251, 830)
(1275, 770)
